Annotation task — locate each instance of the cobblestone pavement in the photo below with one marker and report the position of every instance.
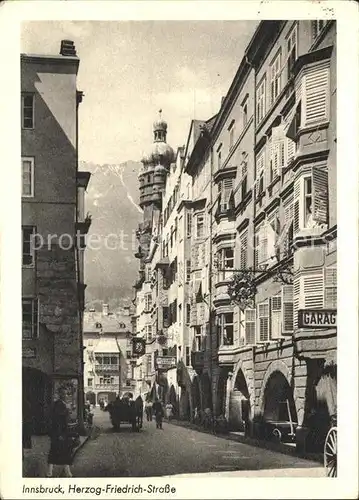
(176, 450)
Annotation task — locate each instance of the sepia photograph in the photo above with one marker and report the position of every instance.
(179, 213)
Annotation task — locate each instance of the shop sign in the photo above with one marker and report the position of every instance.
(166, 362)
(28, 352)
(317, 318)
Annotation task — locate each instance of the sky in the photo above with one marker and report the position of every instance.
(131, 69)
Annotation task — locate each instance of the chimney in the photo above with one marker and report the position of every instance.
(68, 48)
(105, 309)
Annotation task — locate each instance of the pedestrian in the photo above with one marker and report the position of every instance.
(158, 411)
(148, 410)
(169, 411)
(62, 440)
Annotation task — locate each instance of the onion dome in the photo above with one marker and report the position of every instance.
(160, 125)
(162, 153)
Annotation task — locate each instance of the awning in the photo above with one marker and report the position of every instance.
(107, 346)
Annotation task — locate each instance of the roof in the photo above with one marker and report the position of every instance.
(112, 323)
(107, 345)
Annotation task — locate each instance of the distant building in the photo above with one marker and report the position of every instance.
(53, 210)
(107, 343)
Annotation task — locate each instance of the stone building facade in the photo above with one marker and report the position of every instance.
(259, 233)
(107, 356)
(53, 230)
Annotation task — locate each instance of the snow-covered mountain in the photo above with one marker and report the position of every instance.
(111, 198)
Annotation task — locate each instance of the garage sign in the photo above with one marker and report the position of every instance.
(317, 318)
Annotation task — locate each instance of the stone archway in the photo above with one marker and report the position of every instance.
(278, 399)
(239, 407)
(275, 366)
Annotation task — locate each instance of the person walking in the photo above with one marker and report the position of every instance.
(158, 411)
(169, 411)
(61, 440)
(148, 410)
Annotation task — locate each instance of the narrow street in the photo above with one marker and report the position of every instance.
(177, 450)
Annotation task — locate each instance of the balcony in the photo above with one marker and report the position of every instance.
(107, 368)
(197, 360)
(107, 387)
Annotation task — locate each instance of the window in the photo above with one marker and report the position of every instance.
(225, 263)
(30, 319)
(166, 316)
(330, 293)
(128, 354)
(250, 325)
(28, 253)
(273, 231)
(263, 321)
(225, 188)
(148, 302)
(219, 159)
(90, 382)
(198, 337)
(226, 328)
(291, 50)
(261, 101)
(260, 164)
(315, 94)
(180, 314)
(200, 225)
(261, 245)
(27, 177)
(287, 309)
(243, 240)
(244, 174)
(276, 316)
(311, 200)
(188, 271)
(231, 129)
(128, 382)
(148, 330)
(27, 110)
(317, 27)
(189, 225)
(244, 112)
(275, 83)
(188, 314)
(277, 150)
(188, 356)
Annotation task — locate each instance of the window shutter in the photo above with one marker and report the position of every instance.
(316, 94)
(298, 206)
(276, 319)
(297, 286)
(243, 254)
(290, 150)
(250, 325)
(288, 221)
(313, 290)
(263, 320)
(320, 195)
(287, 309)
(330, 281)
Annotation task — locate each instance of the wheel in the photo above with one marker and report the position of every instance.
(330, 453)
(277, 435)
